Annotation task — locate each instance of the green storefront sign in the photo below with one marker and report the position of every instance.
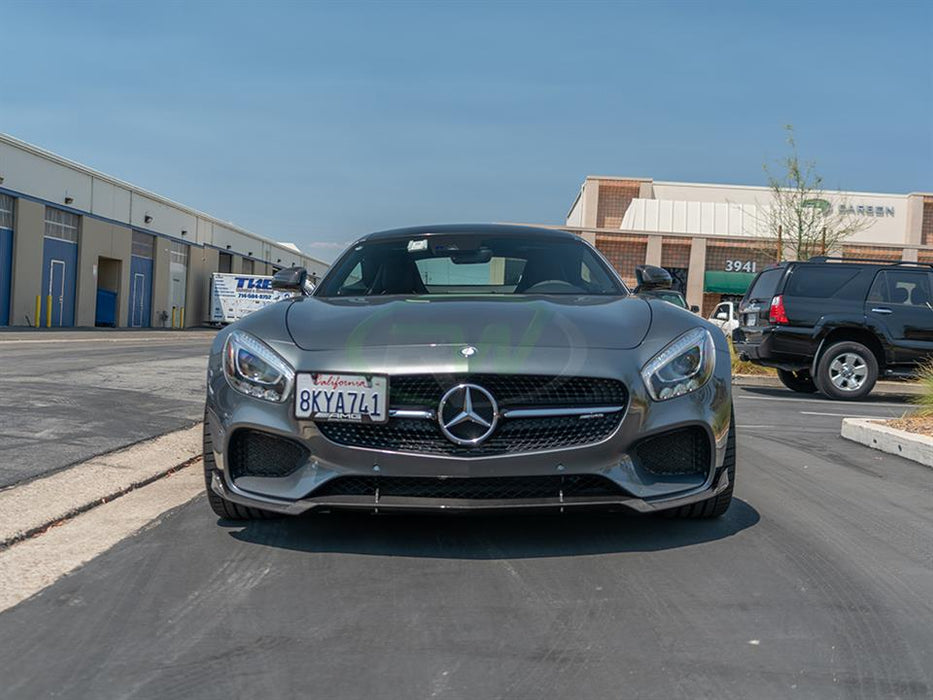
(719, 282)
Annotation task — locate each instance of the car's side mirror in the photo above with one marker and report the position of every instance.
(695, 309)
(653, 277)
(293, 279)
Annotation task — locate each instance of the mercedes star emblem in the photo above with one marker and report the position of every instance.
(467, 414)
(468, 351)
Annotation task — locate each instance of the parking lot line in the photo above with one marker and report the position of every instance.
(829, 401)
(56, 341)
(838, 415)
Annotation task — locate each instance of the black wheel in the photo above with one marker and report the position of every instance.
(719, 504)
(799, 381)
(221, 506)
(846, 371)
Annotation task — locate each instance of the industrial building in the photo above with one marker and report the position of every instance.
(80, 248)
(709, 236)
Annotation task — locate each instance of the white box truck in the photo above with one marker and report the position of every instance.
(235, 296)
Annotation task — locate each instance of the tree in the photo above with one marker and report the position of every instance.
(802, 219)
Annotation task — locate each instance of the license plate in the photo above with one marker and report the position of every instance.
(751, 320)
(352, 398)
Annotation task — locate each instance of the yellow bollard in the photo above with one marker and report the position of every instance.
(48, 311)
(173, 317)
(38, 309)
(181, 318)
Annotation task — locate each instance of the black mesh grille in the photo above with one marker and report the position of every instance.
(504, 487)
(253, 453)
(512, 436)
(685, 451)
(509, 390)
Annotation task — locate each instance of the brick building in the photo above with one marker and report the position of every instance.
(712, 239)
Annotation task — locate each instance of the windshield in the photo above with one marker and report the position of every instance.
(470, 264)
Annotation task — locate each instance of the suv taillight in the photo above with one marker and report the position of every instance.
(777, 313)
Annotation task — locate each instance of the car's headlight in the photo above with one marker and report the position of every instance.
(253, 368)
(683, 366)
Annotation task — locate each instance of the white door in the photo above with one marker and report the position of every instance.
(57, 289)
(719, 316)
(138, 289)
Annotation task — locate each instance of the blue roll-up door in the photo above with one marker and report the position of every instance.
(6, 274)
(59, 274)
(6, 256)
(140, 292)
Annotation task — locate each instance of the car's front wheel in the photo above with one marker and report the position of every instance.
(718, 504)
(221, 506)
(799, 381)
(847, 371)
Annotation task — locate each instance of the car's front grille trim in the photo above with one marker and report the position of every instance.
(562, 411)
(535, 410)
(498, 488)
(409, 391)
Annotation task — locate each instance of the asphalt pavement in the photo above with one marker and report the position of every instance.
(818, 582)
(66, 396)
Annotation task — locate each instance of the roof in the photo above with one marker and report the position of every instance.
(467, 229)
(159, 199)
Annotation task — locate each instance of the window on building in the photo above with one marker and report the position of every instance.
(6, 211)
(178, 274)
(179, 254)
(61, 224)
(225, 263)
(248, 266)
(143, 245)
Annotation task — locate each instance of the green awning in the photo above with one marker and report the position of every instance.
(719, 282)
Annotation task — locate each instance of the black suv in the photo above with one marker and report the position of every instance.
(837, 324)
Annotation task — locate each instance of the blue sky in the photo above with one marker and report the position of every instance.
(314, 123)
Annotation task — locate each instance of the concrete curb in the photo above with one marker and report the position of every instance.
(872, 433)
(29, 508)
(881, 388)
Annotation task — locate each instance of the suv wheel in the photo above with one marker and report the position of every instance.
(800, 381)
(847, 371)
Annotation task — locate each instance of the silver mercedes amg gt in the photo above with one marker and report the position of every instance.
(460, 368)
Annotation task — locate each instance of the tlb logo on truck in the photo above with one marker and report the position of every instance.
(254, 283)
(235, 296)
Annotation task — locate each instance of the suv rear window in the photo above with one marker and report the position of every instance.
(823, 281)
(764, 286)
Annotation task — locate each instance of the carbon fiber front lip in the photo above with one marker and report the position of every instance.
(396, 503)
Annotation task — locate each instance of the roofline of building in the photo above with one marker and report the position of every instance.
(717, 236)
(766, 188)
(61, 160)
(738, 187)
(619, 177)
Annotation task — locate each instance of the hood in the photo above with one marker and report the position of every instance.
(517, 321)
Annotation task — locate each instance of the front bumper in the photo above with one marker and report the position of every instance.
(613, 458)
(454, 505)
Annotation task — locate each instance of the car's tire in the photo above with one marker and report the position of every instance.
(799, 381)
(719, 504)
(221, 506)
(846, 371)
